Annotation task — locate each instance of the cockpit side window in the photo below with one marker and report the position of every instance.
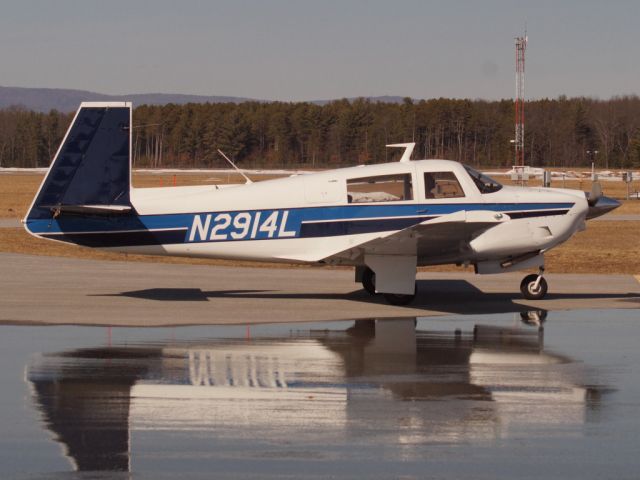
(442, 185)
(381, 188)
(484, 183)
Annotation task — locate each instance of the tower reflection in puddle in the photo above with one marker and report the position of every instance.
(379, 380)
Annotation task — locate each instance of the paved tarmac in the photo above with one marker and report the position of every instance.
(51, 290)
(10, 223)
(632, 217)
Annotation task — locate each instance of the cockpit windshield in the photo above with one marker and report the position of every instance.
(484, 183)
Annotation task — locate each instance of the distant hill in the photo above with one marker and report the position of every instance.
(65, 100)
(380, 99)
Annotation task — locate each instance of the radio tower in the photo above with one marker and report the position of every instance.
(521, 46)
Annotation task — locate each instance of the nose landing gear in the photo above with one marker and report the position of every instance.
(534, 287)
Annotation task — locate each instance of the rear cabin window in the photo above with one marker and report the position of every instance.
(382, 188)
(442, 185)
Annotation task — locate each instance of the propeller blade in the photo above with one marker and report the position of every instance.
(595, 194)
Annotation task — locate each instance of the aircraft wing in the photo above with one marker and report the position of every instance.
(436, 237)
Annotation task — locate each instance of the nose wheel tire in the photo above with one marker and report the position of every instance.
(369, 281)
(529, 289)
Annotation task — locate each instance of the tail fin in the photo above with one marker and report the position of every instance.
(91, 172)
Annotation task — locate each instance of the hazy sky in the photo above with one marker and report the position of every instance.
(307, 50)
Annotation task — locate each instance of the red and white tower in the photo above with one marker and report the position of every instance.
(521, 46)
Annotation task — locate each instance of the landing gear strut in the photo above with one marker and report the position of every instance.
(534, 287)
(369, 281)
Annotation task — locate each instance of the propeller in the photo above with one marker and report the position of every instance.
(598, 203)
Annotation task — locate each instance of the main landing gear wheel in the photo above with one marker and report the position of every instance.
(369, 284)
(533, 287)
(369, 281)
(399, 298)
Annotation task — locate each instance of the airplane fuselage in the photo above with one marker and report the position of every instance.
(304, 218)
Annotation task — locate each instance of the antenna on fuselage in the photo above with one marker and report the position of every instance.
(248, 180)
(408, 150)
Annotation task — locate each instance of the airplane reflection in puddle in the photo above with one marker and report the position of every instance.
(378, 379)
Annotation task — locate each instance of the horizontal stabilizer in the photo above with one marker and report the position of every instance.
(91, 209)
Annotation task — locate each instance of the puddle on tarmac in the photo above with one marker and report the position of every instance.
(464, 397)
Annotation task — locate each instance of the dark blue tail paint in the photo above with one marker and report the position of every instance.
(93, 165)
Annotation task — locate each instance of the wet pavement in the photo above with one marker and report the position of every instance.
(530, 395)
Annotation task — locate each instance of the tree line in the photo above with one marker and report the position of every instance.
(562, 132)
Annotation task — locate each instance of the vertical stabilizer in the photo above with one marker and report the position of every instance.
(91, 172)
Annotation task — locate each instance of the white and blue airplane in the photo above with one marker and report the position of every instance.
(385, 219)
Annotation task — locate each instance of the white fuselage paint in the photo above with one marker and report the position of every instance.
(241, 236)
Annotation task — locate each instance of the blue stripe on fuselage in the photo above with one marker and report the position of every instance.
(357, 218)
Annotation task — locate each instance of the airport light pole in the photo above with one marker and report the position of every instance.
(592, 156)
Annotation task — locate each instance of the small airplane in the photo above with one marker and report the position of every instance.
(385, 219)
